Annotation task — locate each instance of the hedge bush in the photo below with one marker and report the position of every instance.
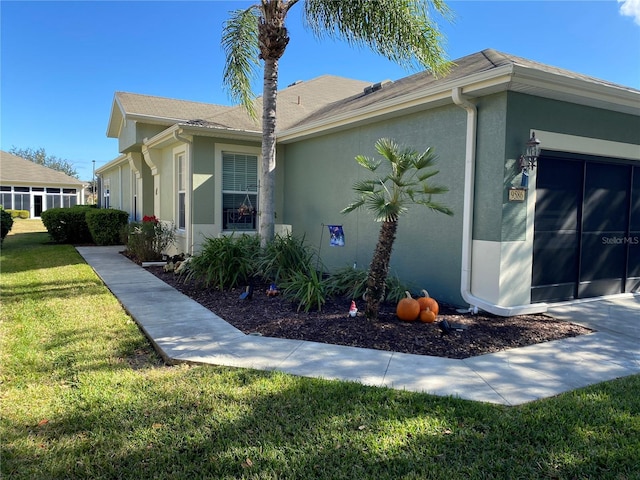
(24, 214)
(106, 226)
(6, 223)
(67, 225)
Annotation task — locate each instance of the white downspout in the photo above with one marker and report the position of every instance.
(467, 205)
(467, 220)
(188, 143)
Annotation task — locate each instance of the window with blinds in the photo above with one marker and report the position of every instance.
(239, 191)
(182, 191)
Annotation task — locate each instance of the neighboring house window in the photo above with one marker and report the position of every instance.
(105, 195)
(22, 201)
(53, 198)
(182, 191)
(5, 198)
(69, 197)
(239, 191)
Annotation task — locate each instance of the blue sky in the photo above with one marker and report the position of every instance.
(61, 62)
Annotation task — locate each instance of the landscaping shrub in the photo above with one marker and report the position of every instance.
(307, 288)
(24, 214)
(352, 282)
(225, 262)
(105, 225)
(67, 225)
(146, 241)
(284, 256)
(6, 223)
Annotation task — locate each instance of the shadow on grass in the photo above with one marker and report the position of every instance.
(208, 422)
(52, 290)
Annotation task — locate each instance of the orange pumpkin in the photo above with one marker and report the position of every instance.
(427, 316)
(428, 303)
(408, 309)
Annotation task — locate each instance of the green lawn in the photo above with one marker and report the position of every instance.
(84, 396)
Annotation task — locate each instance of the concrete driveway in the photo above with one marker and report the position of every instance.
(620, 314)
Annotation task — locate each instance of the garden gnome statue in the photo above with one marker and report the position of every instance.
(353, 310)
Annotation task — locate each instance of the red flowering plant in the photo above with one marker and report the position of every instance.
(148, 240)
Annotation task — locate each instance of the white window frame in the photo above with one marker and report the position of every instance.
(181, 177)
(221, 149)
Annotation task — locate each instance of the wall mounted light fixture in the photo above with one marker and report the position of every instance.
(529, 159)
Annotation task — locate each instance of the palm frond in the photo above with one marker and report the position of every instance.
(365, 186)
(433, 189)
(368, 163)
(240, 44)
(427, 175)
(436, 207)
(401, 30)
(353, 206)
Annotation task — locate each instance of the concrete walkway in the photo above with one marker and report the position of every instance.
(184, 331)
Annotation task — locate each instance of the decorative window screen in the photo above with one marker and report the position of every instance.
(239, 191)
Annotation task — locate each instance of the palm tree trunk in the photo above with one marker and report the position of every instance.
(379, 268)
(266, 214)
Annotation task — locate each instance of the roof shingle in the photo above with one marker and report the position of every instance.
(18, 170)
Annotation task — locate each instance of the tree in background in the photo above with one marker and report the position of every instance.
(387, 196)
(401, 30)
(40, 157)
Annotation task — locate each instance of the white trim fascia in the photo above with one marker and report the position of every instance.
(115, 104)
(162, 139)
(221, 132)
(512, 77)
(590, 92)
(116, 161)
(154, 119)
(168, 136)
(495, 80)
(589, 146)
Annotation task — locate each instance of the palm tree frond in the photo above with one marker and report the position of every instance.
(240, 44)
(401, 30)
(368, 163)
(433, 189)
(353, 206)
(365, 186)
(436, 207)
(427, 175)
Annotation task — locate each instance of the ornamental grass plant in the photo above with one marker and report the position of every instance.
(84, 396)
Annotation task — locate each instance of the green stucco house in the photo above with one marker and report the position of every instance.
(567, 228)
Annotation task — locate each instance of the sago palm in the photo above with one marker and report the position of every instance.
(387, 196)
(401, 30)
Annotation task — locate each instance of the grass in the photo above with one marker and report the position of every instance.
(85, 397)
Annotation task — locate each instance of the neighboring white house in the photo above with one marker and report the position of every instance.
(566, 228)
(26, 185)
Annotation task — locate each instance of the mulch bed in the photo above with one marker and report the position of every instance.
(277, 317)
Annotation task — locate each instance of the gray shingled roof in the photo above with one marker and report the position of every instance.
(169, 108)
(476, 63)
(16, 170)
(295, 102)
(327, 96)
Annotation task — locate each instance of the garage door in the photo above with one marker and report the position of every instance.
(587, 228)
